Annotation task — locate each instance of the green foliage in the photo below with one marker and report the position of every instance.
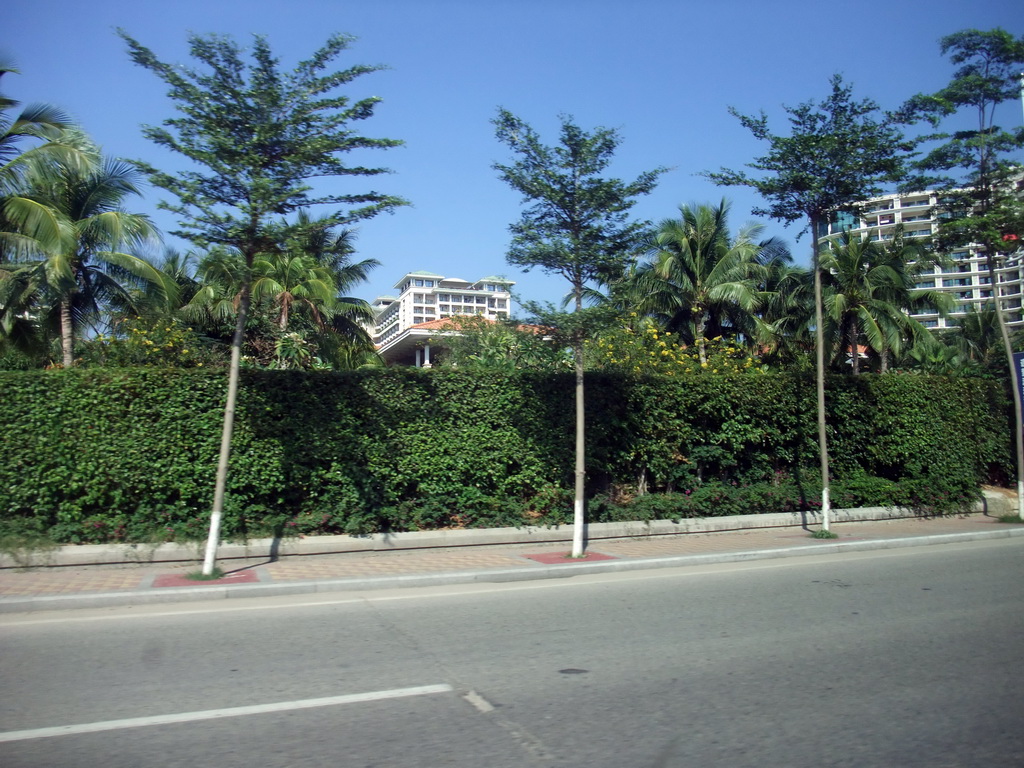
(974, 168)
(869, 293)
(577, 224)
(701, 279)
(506, 345)
(215, 574)
(77, 269)
(258, 134)
(838, 152)
(640, 347)
(158, 342)
(821, 533)
(129, 454)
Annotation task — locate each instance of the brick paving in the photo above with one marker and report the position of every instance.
(66, 580)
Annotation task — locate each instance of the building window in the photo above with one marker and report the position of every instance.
(481, 299)
(442, 297)
(429, 283)
(501, 303)
(417, 320)
(418, 283)
(444, 307)
(491, 287)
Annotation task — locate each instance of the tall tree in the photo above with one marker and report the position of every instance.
(869, 290)
(577, 226)
(342, 340)
(87, 266)
(700, 278)
(978, 166)
(31, 139)
(838, 152)
(256, 135)
(45, 128)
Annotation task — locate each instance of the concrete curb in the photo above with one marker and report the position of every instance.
(496, 576)
(113, 554)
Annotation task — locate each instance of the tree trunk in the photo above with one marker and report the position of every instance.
(883, 364)
(579, 513)
(67, 333)
(702, 352)
(854, 351)
(1018, 410)
(819, 364)
(210, 559)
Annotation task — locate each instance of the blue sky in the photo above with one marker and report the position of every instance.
(663, 73)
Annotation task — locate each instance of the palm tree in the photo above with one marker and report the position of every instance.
(78, 225)
(698, 279)
(979, 337)
(55, 142)
(301, 283)
(786, 317)
(341, 336)
(869, 291)
(289, 279)
(318, 239)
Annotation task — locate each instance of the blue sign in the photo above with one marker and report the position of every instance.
(1018, 367)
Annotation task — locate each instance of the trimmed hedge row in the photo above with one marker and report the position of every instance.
(130, 454)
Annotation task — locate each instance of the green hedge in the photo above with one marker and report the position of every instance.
(130, 454)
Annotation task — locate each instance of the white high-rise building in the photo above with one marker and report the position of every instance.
(966, 277)
(405, 325)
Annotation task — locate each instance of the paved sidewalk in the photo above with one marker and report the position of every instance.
(91, 586)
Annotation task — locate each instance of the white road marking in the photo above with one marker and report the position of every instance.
(213, 714)
(479, 702)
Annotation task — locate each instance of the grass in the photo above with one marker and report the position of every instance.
(1014, 519)
(821, 533)
(200, 576)
(26, 548)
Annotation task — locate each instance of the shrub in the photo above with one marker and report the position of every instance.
(130, 454)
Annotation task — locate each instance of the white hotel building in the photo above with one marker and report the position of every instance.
(406, 325)
(966, 277)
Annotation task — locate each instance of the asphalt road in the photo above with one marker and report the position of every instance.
(894, 658)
